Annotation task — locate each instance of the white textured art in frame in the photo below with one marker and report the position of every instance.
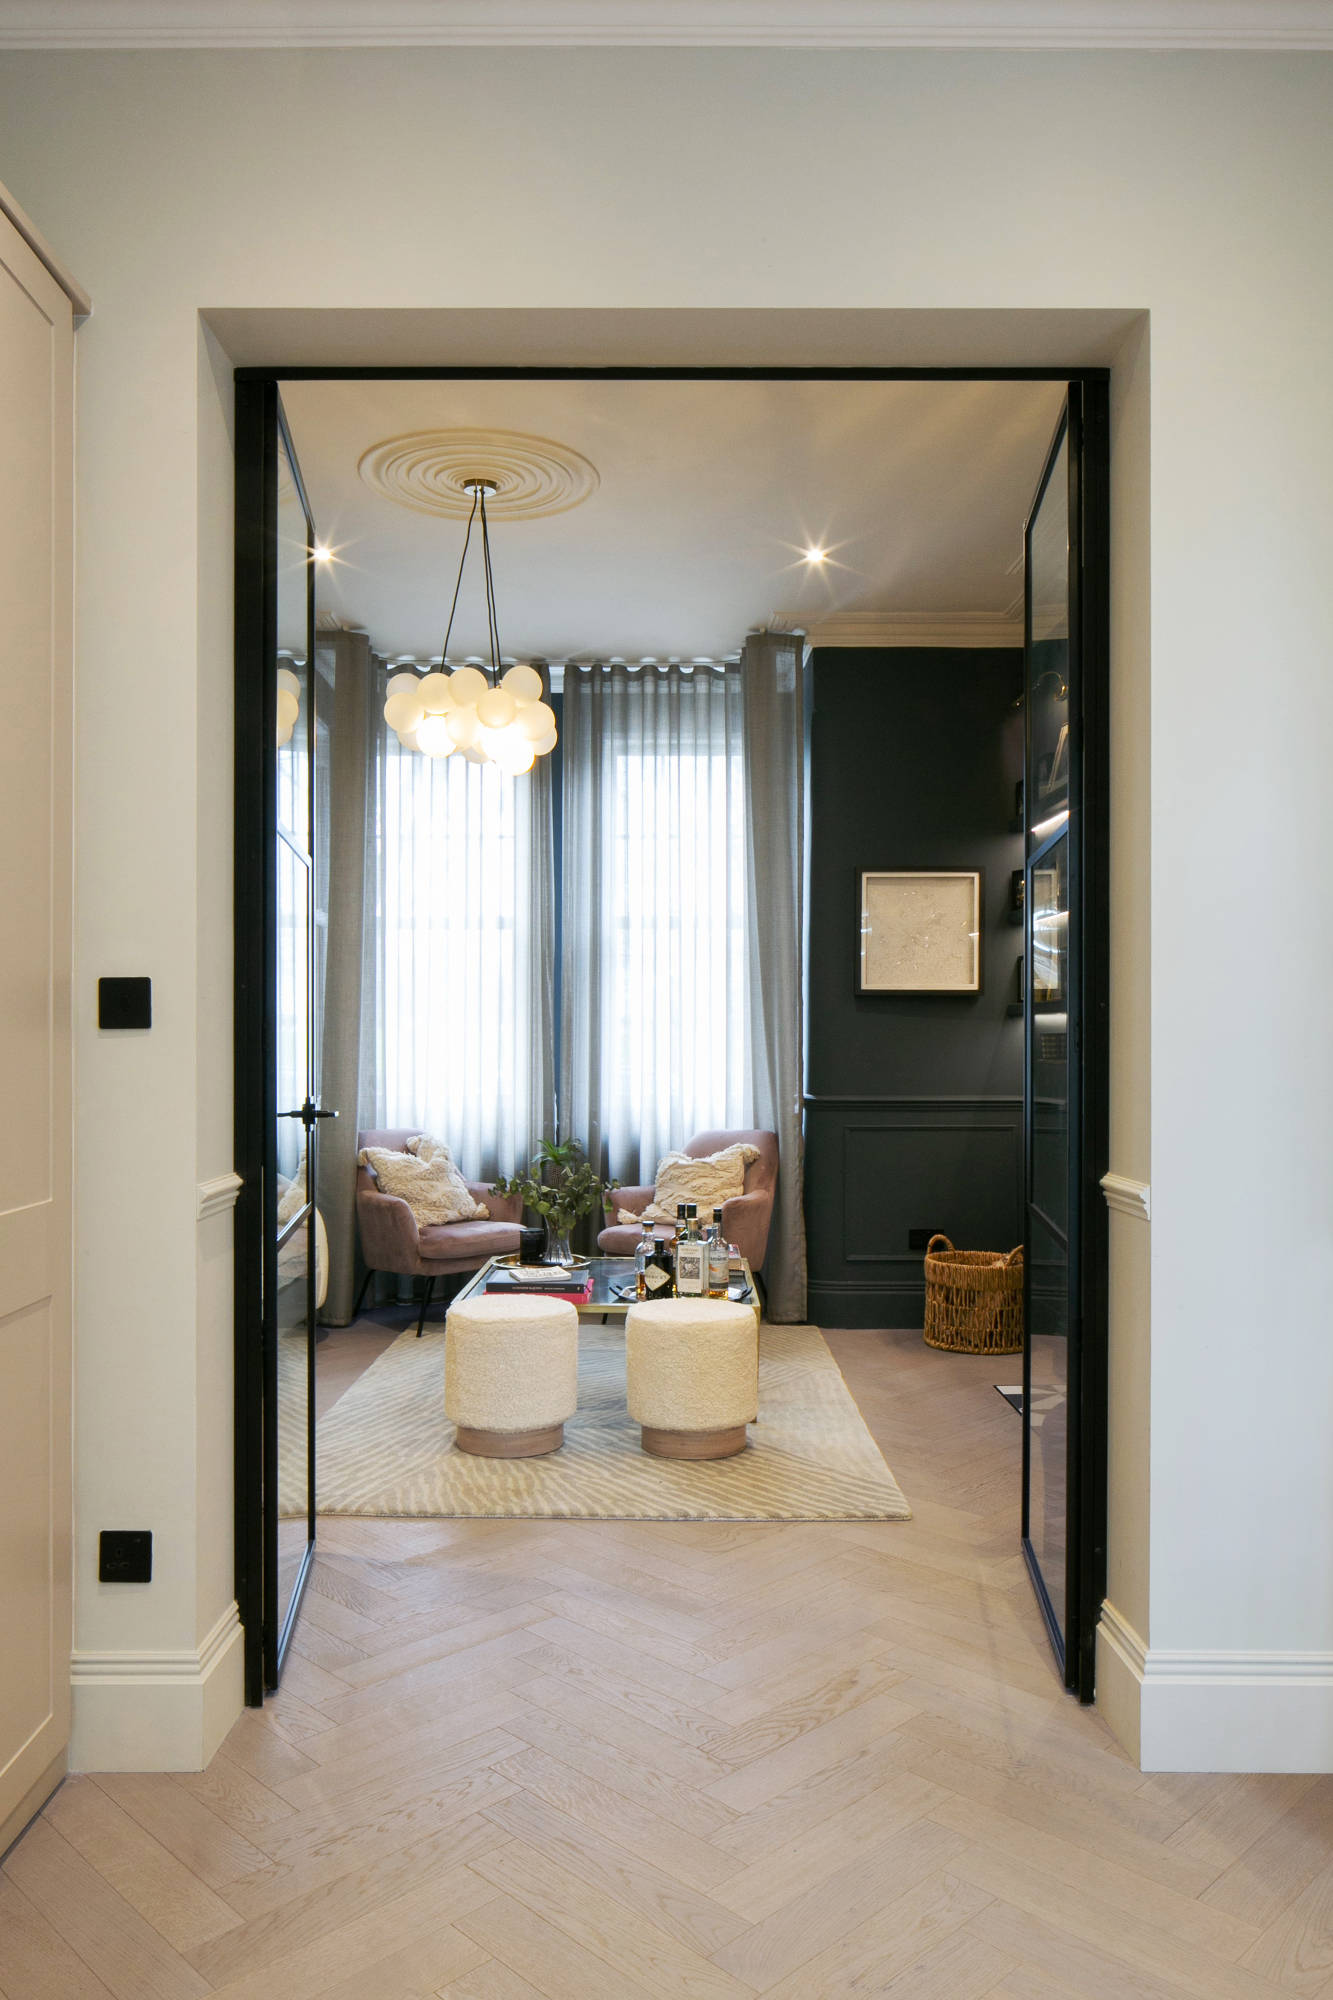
(920, 932)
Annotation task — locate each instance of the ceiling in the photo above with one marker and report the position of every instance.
(704, 499)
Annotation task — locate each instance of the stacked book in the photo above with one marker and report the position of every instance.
(542, 1281)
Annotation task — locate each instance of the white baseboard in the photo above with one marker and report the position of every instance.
(161, 1711)
(1214, 1711)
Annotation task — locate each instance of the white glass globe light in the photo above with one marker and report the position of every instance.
(536, 719)
(436, 694)
(408, 738)
(545, 744)
(288, 708)
(468, 687)
(514, 757)
(463, 726)
(496, 708)
(402, 684)
(524, 683)
(475, 754)
(404, 710)
(435, 737)
(288, 684)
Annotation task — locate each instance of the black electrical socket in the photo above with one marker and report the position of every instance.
(124, 1003)
(918, 1239)
(125, 1555)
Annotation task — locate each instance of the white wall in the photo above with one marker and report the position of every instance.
(1196, 188)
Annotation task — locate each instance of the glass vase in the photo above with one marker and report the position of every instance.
(557, 1242)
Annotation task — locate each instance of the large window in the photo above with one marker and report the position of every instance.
(654, 961)
(465, 937)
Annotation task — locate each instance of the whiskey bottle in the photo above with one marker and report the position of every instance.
(691, 1259)
(719, 1269)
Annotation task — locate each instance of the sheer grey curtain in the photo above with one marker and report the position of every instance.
(773, 679)
(654, 1018)
(345, 940)
(463, 1004)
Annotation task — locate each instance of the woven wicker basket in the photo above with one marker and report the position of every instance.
(974, 1299)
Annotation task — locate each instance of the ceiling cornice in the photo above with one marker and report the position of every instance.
(917, 628)
(1256, 25)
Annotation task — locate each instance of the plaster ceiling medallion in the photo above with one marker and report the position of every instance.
(435, 472)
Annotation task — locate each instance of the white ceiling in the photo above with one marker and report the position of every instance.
(709, 492)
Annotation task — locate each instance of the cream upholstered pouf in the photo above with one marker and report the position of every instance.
(692, 1375)
(511, 1374)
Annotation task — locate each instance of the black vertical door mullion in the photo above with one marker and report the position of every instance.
(1072, 1623)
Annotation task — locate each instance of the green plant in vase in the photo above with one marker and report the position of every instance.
(560, 1186)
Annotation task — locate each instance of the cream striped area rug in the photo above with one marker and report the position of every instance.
(386, 1447)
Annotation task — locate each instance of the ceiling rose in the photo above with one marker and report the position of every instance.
(429, 471)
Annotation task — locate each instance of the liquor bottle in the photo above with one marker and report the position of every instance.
(719, 1269)
(655, 1280)
(691, 1259)
(643, 1251)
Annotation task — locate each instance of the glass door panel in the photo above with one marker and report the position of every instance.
(289, 1209)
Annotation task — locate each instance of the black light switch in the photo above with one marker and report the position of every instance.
(125, 1555)
(124, 1003)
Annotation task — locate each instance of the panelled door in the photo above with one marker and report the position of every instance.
(277, 1015)
(1065, 1046)
(36, 814)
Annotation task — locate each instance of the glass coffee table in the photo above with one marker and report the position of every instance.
(613, 1287)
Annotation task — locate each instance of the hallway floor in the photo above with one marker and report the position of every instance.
(594, 1760)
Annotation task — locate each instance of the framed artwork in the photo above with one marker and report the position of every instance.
(919, 930)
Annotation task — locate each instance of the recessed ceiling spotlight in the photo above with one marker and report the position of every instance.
(321, 554)
(815, 556)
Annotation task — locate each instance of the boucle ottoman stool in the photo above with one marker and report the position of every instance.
(511, 1374)
(692, 1375)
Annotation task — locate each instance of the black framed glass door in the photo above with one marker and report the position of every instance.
(277, 1034)
(1065, 1035)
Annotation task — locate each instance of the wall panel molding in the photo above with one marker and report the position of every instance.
(216, 1196)
(811, 24)
(1128, 1197)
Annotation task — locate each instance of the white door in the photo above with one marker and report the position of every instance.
(36, 540)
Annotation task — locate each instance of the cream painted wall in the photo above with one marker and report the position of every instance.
(1196, 188)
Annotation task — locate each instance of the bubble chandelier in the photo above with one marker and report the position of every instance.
(499, 719)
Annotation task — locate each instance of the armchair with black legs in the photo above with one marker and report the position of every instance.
(391, 1240)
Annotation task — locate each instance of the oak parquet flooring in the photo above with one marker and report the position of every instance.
(699, 1761)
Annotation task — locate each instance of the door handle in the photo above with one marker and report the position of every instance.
(308, 1113)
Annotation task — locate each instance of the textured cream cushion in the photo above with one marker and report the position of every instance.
(691, 1364)
(511, 1364)
(716, 1178)
(433, 1189)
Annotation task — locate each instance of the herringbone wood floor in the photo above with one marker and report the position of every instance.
(595, 1760)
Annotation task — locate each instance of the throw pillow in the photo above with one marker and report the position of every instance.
(433, 1189)
(716, 1178)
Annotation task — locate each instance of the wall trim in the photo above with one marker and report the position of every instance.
(79, 300)
(1214, 1709)
(975, 629)
(216, 1196)
(167, 1709)
(815, 24)
(1128, 1197)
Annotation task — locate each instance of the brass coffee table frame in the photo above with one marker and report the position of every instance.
(606, 1273)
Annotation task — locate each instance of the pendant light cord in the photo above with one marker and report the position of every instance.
(492, 619)
(458, 582)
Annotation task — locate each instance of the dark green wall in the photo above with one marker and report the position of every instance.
(913, 1106)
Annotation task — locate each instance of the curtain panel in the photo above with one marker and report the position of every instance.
(773, 680)
(463, 1006)
(654, 1011)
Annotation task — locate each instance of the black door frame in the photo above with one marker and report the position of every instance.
(267, 1632)
(256, 422)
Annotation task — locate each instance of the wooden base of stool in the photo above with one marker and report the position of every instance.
(694, 1444)
(510, 1444)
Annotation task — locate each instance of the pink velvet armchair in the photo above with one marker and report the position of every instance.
(746, 1218)
(391, 1240)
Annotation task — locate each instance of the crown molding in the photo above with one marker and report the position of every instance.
(805, 24)
(917, 628)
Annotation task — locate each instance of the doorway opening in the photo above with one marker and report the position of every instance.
(500, 972)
